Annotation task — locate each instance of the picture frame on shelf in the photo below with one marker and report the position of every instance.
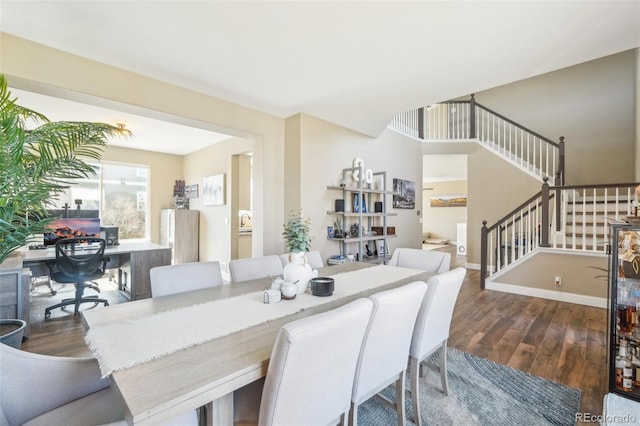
(359, 203)
(368, 250)
(381, 248)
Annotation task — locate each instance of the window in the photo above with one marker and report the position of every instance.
(119, 192)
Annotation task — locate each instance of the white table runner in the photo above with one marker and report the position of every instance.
(123, 344)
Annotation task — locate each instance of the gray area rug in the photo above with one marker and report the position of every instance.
(481, 392)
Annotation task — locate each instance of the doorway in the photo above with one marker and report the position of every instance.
(242, 205)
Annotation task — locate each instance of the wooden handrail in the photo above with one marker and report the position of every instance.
(588, 195)
(513, 123)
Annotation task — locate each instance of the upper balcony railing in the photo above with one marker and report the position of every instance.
(465, 120)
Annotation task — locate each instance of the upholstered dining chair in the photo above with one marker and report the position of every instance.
(253, 268)
(432, 330)
(385, 350)
(171, 279)
(314, 258)
(426, 260)
(50, 390)
(312, 366)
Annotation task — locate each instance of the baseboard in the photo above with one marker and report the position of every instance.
(435, 241)
(597, 302)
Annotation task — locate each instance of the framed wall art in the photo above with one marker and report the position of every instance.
(213, 190)
(449, 200)
(404, 194)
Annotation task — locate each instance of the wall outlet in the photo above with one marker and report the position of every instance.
(558, 281)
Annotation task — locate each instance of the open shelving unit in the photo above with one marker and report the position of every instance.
(361, 215)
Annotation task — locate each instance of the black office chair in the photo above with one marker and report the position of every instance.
(79, 261)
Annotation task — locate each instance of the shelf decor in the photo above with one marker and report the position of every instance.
(191, 191)
(359, 206)
(353, 229)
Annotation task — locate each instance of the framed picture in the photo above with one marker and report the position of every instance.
(191, 191)
(213, 190)
(404, 194)
(359, 203)
(330, 232)
(454, 200)
(381, 248)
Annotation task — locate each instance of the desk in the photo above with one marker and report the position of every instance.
(132, 259)
(211, 371)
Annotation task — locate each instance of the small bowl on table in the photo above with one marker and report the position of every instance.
(322, 286)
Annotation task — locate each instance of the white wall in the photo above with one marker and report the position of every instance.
(216, 222)
(164, 170)
(441, 222)
(592, 105)
(34, 67)
(326, 149)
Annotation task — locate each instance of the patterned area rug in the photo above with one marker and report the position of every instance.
(482, 392)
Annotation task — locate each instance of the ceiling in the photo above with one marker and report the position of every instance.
(444, 167)
(353, 63)
(148, 134)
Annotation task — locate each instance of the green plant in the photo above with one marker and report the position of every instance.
(37, 164)
(297, 232)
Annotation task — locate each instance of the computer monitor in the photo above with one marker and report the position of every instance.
(71, 228)
(73, 213)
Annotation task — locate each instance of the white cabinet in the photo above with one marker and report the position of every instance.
(179, 229)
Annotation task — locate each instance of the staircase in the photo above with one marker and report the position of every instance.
(463, 121)
(586, 212)
(570, 218)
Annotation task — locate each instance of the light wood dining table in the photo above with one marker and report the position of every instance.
(206, 374)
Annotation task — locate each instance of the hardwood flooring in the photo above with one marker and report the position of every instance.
(63, 334)
(559, 341)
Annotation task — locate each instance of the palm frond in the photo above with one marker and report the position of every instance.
(37, 165)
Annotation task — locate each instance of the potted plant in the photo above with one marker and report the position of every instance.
(297, 234)
(37, 164)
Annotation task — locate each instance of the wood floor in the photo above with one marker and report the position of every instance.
(559, 341)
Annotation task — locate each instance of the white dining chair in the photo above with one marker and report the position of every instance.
(50, 390)
(312, 366)
(427, 260)
(172, 279)
(432, 330)
(385, 350)
(253, 268)
(314, 258)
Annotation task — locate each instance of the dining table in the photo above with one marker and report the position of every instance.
(206, 371)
